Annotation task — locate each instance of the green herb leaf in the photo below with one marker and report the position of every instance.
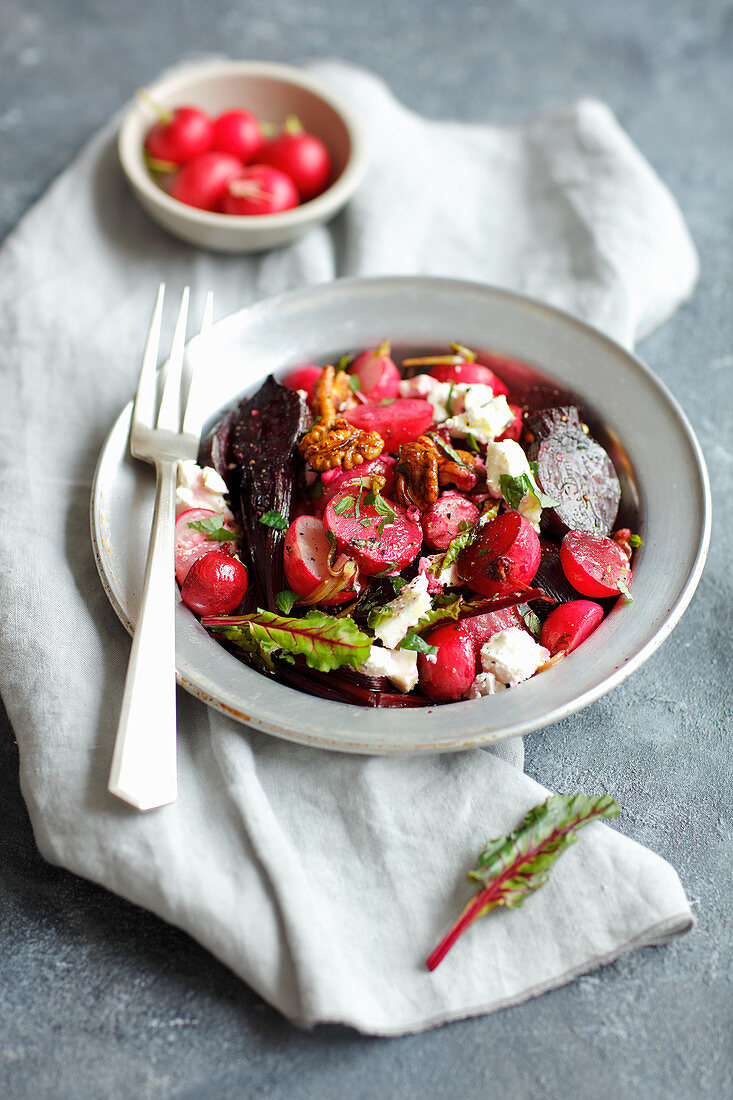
(635, 541)
(317, 490)
(624, 590)
(412, 640)
(346, 506)
(326, 642)
(467, 535)
(398, 583)
(450, 451)
(275, 519)
(285, 600)
(214, 529)
(343, 362)
(531, 620)
(354, 383)
(389, 568)
(387, 401)
(513, 866)
(471, 442)
(514, 490)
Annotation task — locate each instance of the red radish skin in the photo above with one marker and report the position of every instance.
(186, 134)
(190, 544)
(514, 430)
(441, 523)
(238, 132)
(397, 424)
(480, 628)
(302, 156)
(333, 481)
(379, 378)
(570, 624)
(594, 565)
(395, 548)
(259, 189)
(306, 556)
(503, 559)
(448, 674)
(470, 373)
(215, 584)
(303, 378)
(203, 181)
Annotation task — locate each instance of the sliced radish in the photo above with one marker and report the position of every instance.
(398, 423)
(594, 565)
(191, 544)
(570, 624)
(441, 523)
(333, 481)
(448, 674)
(503, 559)
(215, 584)
(303, 378)
(480, 628)
(306, 560)
(379, 378)
(375, 540)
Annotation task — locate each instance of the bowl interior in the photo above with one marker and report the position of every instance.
(651, 442)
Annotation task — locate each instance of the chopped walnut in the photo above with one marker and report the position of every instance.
(332, 394)
(424, 468)
(327, 446)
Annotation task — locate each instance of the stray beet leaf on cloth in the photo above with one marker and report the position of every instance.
(514, 866)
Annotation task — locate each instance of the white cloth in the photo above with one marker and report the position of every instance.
(323, 880)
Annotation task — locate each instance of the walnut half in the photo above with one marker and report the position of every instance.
(340, 444)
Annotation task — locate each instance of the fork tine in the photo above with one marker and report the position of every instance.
(144, 407)
(191, 418)
(169, 416)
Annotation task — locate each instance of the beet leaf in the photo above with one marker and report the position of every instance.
(323, 640)
(513, 866)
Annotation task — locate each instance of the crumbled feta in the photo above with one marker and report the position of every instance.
(398, 665)
(484, 684)
(509, 458)
(199, 487)
(483, 416)
(512, 655)
(404, 612)
(419, 386)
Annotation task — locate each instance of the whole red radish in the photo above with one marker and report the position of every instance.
(378, 537)
(379, 378)
(180, 135)
(504, 557)
(215, 584)
(259, 189)
(399, 423)
(202, 182)
(594, 565)
(570, 624)
(238, 132)
(191, 543)
(303, 378)
(448, 674)
(470, 373)
(306, 557)
(302, 156)
(514, 430)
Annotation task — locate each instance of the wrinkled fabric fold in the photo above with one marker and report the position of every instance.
(323, 880)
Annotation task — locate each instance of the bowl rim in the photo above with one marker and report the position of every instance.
(336, 194)
(358, 736)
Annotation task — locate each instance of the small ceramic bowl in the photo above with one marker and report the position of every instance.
(272, 92)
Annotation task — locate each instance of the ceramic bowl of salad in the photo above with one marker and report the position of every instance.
(426, 515)
(241, 156)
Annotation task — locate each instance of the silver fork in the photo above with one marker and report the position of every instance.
(143, 770)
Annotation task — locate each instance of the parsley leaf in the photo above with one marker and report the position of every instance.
(354, 383)
(214, 529)
(412, 640)
(285, 600)
(274, 519)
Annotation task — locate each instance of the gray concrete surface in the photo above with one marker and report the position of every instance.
(99, 999)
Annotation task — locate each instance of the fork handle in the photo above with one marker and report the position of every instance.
(143, 770)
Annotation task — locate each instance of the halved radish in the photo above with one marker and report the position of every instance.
(514, 430)
(448, 674)
(306, 559)
(379, 378)
(190, 544)
(503, 559)
(480, 628)
(398, 423)
(570, 624)
(333, 481)
(441, 523)
(470, 373)
(594, 565)
(377, 540)
(303, 378)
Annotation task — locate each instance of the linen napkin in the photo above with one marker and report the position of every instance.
(322, 879)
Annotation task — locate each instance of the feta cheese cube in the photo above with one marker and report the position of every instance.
(419, 386)
(509, 458)
(198, 487)
(404, 612)
(512, 655)
(483, 416)
(485, 684)
(398, 665)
